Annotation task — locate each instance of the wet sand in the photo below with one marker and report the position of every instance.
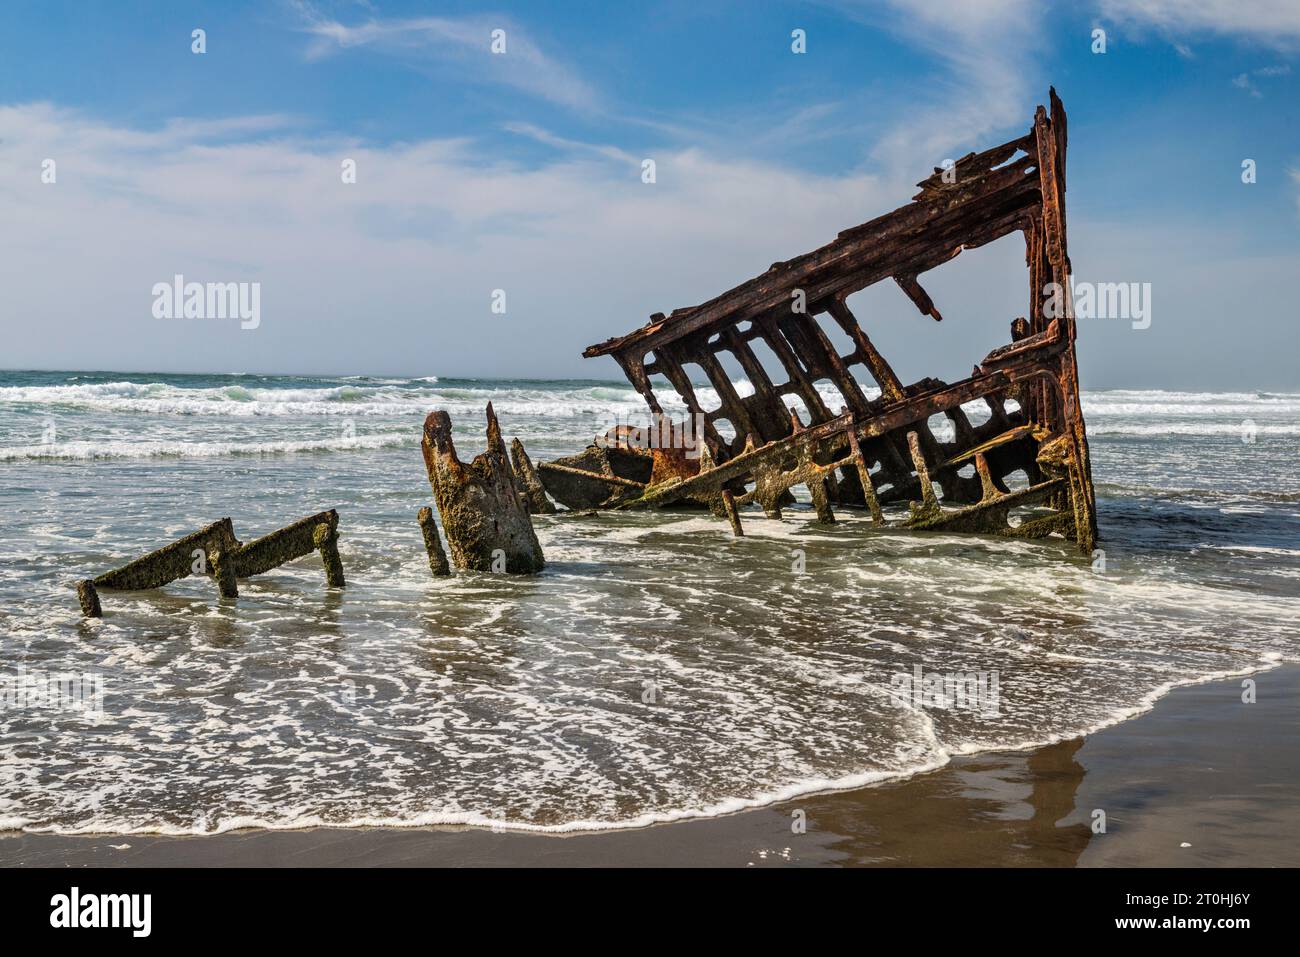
(1202, 780)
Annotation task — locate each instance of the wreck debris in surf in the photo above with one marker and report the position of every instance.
(483, 510)
(858, 450)
(872, 451)
(215, 552)
(597, 477)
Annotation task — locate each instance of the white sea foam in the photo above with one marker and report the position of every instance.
(209, 449)
(1118, 413)
(1103, 427)
(516, 703)
(289, 818)
(159, 399)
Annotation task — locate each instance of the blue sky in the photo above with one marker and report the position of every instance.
(521, 171)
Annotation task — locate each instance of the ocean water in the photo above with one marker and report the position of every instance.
(658, 669)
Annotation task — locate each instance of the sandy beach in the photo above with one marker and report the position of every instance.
(1201, 780)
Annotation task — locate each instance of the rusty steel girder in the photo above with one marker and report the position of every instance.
(881, 450)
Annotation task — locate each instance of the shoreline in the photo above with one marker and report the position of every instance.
(1198, 765)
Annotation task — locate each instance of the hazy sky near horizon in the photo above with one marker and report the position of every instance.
(522, 172)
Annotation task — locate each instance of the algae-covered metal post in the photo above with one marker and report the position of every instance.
(487, 525)
(89, 598)
(222, 564)
(881, 449)
(326, 539)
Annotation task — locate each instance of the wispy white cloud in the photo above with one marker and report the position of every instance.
(1268, 22)
(540, 135)
(987, 78)
(395, 270)
(462, 43)
(1246, 81)
(394, 273)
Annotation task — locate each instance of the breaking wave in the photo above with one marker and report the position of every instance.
(74, 451)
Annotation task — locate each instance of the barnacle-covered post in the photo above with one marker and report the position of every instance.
(325, 537)
(487, 526)
(222, 563)
(89, 599)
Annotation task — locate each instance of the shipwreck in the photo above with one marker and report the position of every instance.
(871, 451)
(1021, 471)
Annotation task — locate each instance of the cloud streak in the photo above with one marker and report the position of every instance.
(462, 44)
(984, 47)
(1274, 23)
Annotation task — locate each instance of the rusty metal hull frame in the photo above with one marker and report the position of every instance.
(873, 450)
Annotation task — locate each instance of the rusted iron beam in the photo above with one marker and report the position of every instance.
(291, 542)
(733, 514)
(599, 476)
(920, 298)
(927, 510)
(215, 552)
(890, 388)
(887, 242)
(864, 477)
